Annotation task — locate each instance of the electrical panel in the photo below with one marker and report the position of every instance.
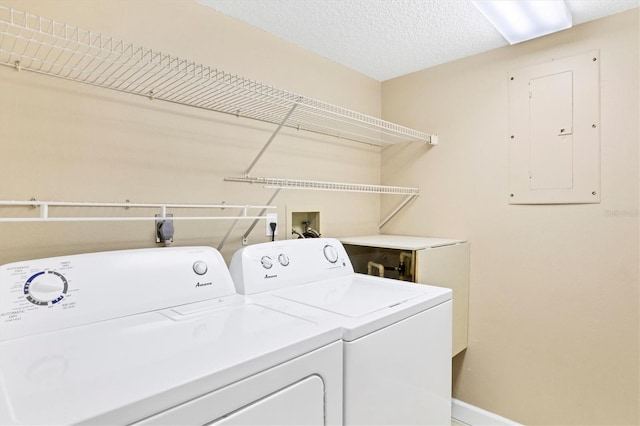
(554, 132)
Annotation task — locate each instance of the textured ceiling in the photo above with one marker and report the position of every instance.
(389, 38)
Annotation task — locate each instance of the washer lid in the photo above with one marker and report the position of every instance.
(354, 296)
(123, 370)
(359, 304)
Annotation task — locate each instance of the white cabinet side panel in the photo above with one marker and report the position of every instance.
(449, 267)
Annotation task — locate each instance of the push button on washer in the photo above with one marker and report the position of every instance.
(200, 267)
(283, 259)
(266, 261)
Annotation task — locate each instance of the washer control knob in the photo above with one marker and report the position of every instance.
(200, 267)
(283, 259)
(330, 253)
(266, 261)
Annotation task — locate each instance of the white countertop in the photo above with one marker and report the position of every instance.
(401, 242)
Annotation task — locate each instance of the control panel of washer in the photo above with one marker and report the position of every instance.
(269, 266)
(53, 293)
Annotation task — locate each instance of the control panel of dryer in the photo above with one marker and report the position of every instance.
(269, 266)
(53, 293)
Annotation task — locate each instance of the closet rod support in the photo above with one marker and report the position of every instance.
(275, 133)
(231, 228)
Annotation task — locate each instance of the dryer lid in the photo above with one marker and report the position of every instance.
(125, 369)
(43, 295)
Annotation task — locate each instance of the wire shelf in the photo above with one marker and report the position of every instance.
(29, 42)
(325, 186)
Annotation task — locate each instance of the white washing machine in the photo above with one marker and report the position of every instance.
(397, 336)
(157, 336)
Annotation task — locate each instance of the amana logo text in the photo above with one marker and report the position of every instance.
(203, 284)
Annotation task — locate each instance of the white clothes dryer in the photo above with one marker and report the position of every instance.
(397, 336)
(157, 336)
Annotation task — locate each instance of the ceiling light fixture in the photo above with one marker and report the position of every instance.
(520, 20)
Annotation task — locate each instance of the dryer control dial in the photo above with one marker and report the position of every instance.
(45, 288)
(330, 253)
(283, 259)
(266, 261)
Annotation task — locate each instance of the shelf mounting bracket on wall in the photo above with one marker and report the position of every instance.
(273, 136)
(396, 210)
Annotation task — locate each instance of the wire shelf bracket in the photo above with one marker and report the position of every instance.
(273, 136)
(403, 203)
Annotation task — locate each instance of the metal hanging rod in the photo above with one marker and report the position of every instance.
(29, 42)
(324, 186)
(45, 216)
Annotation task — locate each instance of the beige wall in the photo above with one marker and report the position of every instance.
(64, 141)
(553, 322)
(554, 296)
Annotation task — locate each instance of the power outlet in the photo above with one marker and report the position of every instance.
(271, 218)
(164, 229)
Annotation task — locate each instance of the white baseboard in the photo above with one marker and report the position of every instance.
(474, 416)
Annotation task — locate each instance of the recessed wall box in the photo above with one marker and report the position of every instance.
(303, 222)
